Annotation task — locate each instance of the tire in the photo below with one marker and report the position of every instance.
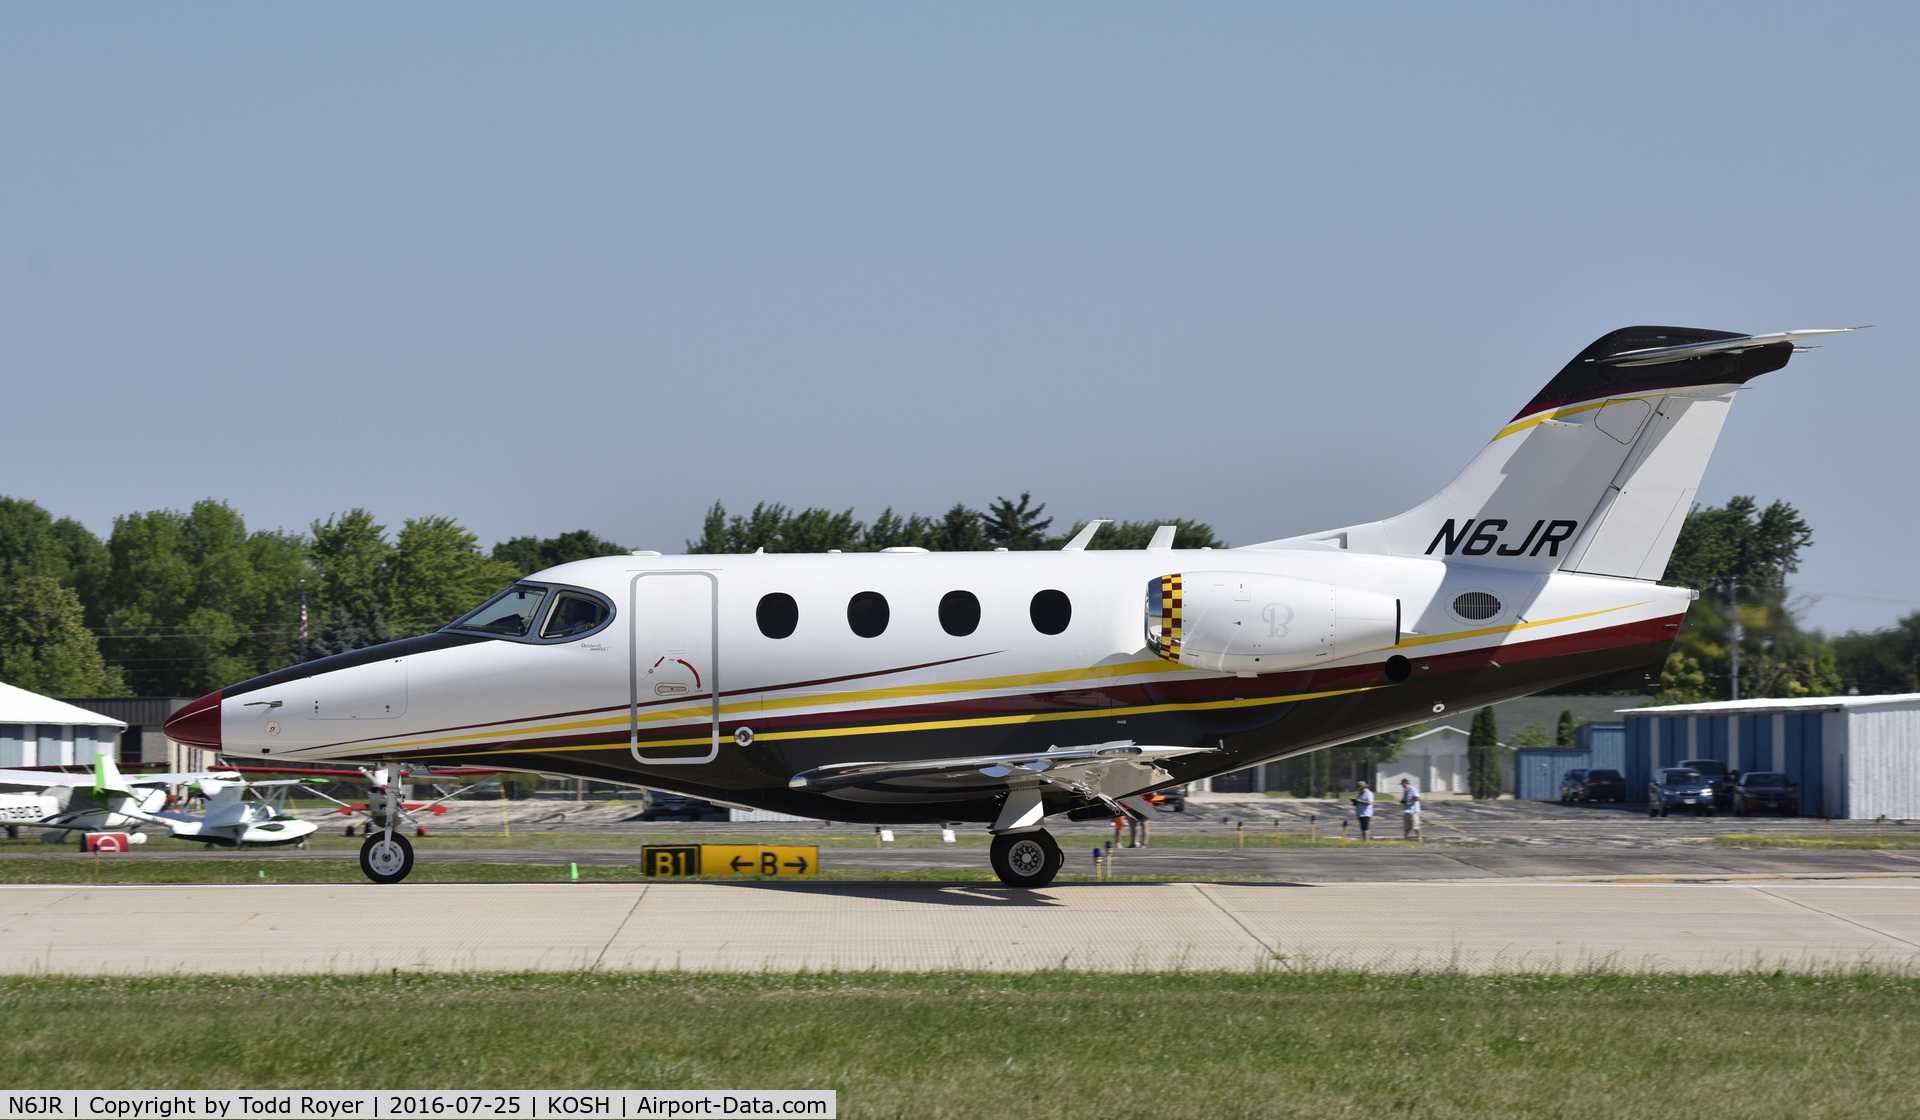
(1663, 810)
(1653, 811)
(386, 862)
(1028, 860)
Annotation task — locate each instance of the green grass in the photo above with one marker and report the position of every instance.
(111, 872)
(1064, 1045)
(1869, 843)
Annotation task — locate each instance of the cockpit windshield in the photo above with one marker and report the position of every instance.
(573, 614)
(511, 612)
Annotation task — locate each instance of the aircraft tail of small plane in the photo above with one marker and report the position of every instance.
(107, 779)
(1597, 473)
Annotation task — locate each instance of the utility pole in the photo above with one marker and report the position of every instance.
(1734, 634)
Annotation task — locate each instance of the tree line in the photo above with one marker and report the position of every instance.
(178, 602)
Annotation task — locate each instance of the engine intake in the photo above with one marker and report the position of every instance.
(1236, 622)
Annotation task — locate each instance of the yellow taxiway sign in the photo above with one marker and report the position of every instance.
(729, 859)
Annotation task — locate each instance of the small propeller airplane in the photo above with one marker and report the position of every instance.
(110, 801)
(380, 785)
(912, 687)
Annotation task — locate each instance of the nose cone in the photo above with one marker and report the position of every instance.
(197, 724)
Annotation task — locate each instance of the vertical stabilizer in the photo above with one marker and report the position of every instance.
(1597, 472)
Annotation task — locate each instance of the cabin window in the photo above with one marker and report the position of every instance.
(574, 615)
(867, 614)
(777, 614)
(959, 613)
(1051, 611)
(510, 613)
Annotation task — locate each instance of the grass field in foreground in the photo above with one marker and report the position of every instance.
(1062, 1045)
(111, 872)
(1866, 843)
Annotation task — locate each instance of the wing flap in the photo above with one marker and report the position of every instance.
(1106, 770)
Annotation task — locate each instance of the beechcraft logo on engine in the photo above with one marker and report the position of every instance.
(1471, 541)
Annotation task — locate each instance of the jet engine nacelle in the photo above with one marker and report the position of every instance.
(1237, 622)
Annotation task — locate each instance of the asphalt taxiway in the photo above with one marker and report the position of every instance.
(1516, 885)
(1471, 925)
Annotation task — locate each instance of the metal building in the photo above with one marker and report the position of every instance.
(144, 742)
(1597, 746)
(38, 730)
(1852, 756)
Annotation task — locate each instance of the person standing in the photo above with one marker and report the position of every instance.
(1363, 809)
(1410, 811)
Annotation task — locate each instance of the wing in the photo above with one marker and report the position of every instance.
(1103, 772)
(461, 775)
(180, 779)
(43, 779)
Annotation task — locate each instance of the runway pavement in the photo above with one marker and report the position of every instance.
(1474, 925)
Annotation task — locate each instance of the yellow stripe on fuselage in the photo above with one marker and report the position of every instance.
(1571, 410)
(948, 724)
(939, 689)
(1457, 635)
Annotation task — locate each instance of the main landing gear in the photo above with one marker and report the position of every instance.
(386, 859)
(1025, 859)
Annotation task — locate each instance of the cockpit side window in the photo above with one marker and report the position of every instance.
(510, 613)
(572, 615)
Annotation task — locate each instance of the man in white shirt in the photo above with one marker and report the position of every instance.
(1363, 809)
(1410, 811)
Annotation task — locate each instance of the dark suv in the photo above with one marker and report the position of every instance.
(1682, 788)
(1717, 776)
(1593, 785)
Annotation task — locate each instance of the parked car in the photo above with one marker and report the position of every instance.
(1679, 788)
(1173, 799)
(1766, 790)
(1717, 776)
(657, 803)
(1593, 785)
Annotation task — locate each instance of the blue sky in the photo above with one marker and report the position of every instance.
(1278, 268)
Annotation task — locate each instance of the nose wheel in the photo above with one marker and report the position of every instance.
(386, 860)
(1027, 859)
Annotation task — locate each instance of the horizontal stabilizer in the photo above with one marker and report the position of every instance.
(1660, 355)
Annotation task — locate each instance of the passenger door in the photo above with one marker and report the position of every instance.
(673, 656)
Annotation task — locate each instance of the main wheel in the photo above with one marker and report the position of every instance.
(1027, 859)
(384, 860)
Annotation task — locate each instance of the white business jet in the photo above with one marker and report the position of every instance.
(109, 801)
(906, 686)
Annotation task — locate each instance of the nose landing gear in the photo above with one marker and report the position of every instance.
(1027, 859)
(386, 859)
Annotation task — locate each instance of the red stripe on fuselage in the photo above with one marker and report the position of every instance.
(1116, 700)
